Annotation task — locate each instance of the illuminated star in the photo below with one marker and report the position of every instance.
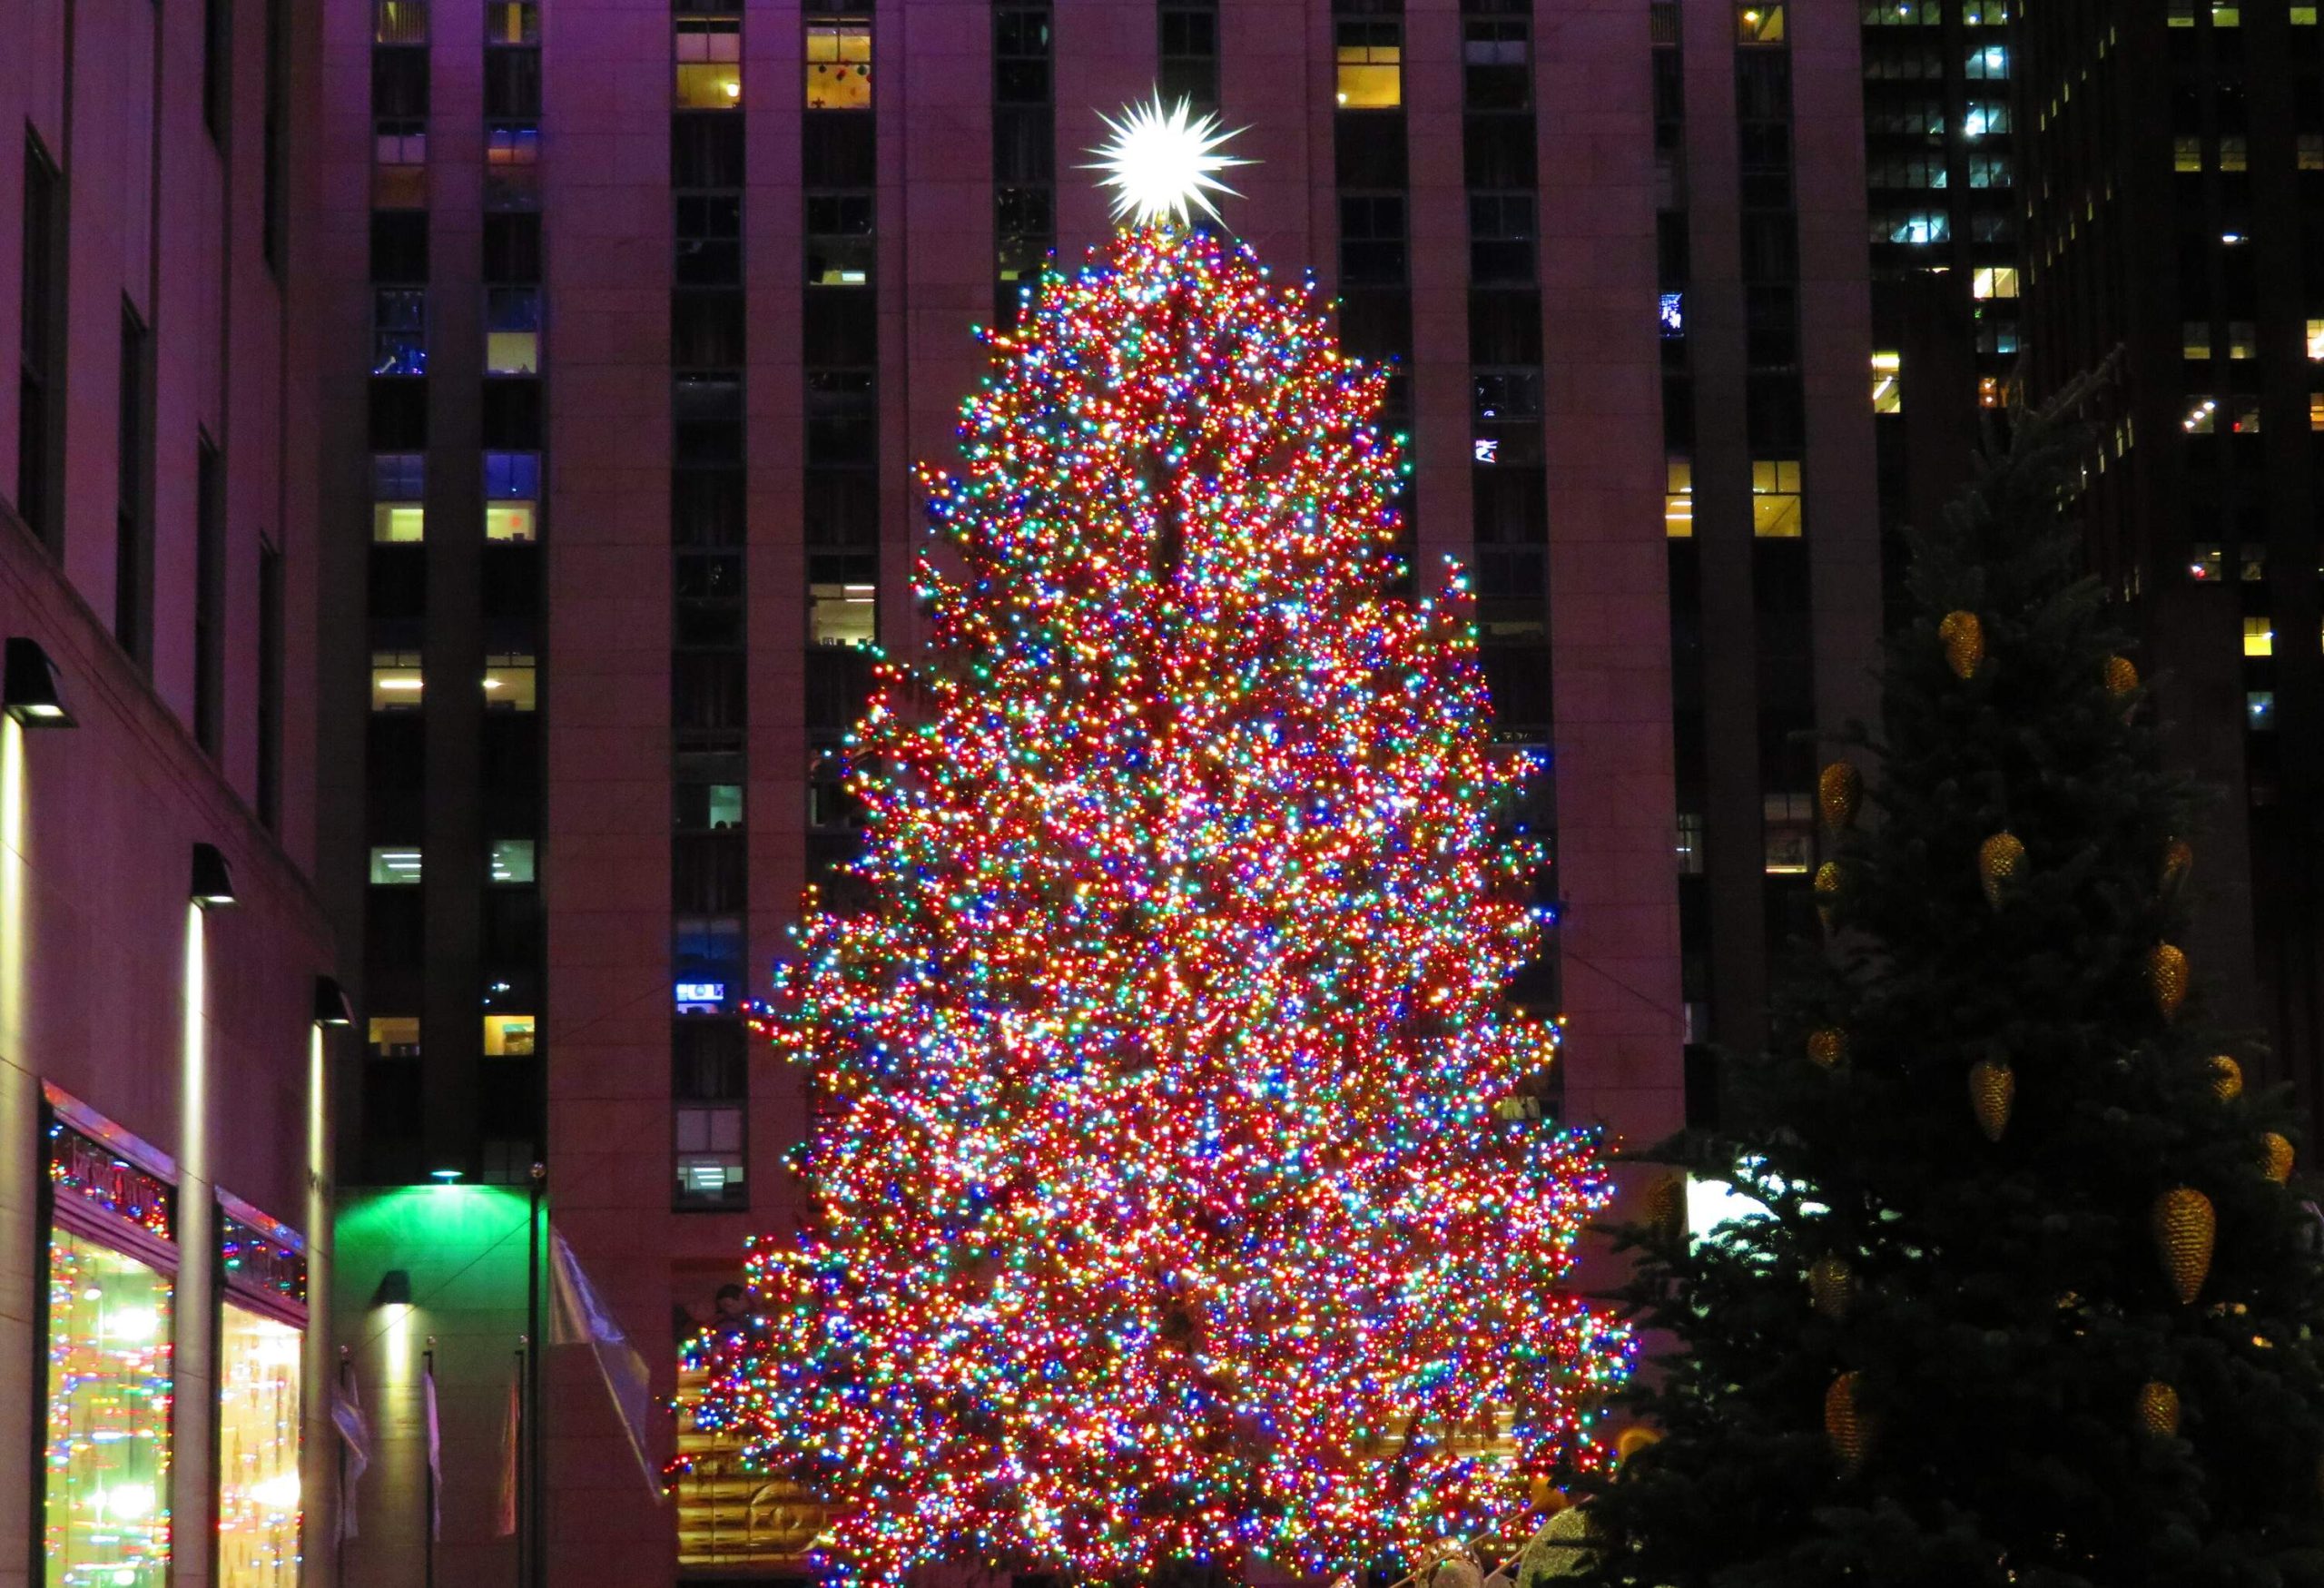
(1162, 164)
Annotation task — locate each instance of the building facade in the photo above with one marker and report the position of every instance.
(2174, 164)
(631, 319)
(164, 959)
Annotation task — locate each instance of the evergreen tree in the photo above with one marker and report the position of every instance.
(2030, 1300)
(1159, 1210)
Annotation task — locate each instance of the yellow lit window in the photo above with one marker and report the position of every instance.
(1679, 499)
(2303, 16)
(838, 65)
(2316, 411)
(394, 1036)
(394, 680)
(2258, 637)
(1993, 282)
(510, 682)
(2227, 15)
(710, 63)
(1774, 500)
(2311, 150)
(2195, 339)
(1370, 58)
(399, 521)
(512, 22)
(2187, 152)
(843, 615)
(2181, 14)
(1789, 827)
(1758, 25)
(508, 1036)
(1989, 391)
(2315, 340)
(1887, 383)
(2242, 338)
(509, 521)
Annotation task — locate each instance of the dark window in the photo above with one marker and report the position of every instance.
(1370, 152)
(705, 330)
(1372, 240)
(399, 246)
(706, 507)
(132, 522)
(1500, 152)
(843, 418)
(209, 597)
(709, 1061)
(706, 873)
(706, 691)
(512, 247)
(269, 685)
(40, 408)
(842, 510)
(512, 84)
(1504, 328)
(1494, 61)
(706, 151)
(275, 153)
(1023, 146)
(1500, 237)
(707, 410)
(217, 64)
(1189, 53)
(836, 151)
(512, 415)
(1020, 56)
(399, 415)
(400, 83)
(709, 239)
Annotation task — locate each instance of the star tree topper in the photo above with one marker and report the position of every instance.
(1161, 165)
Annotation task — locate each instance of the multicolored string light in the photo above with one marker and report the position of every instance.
(1160, 1210)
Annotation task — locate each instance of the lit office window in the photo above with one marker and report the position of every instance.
(512, 22)
(2195, 339)
(509, 683)
(843, 615)
(1679, 499)
(838, 65)
(512, 330)
(708, 1143)
(2187, 151)
(1992, 282)
(709, 51)
(399, 22)
(2202, 415)
(394, 1036)
(511, 860)
(2260, 710)
(400, 330)
(395, 680)
(399, 487)
(839, 238)
(1758, 25)
(1370, 61)
(2258, 637)
(1775, 501)
(2316, 341)
(2242, 338)
(395, 866)
(508, 1036)
(1887, 383)
(512, 492)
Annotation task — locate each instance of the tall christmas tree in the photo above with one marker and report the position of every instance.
(2030, 1301)
(1160, 1210)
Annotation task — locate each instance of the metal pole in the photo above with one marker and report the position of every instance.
(524, 1431)
(428, 1456)
(537, 1553)
(338, 1518)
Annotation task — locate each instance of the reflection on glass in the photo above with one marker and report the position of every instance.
(108, 1432)
(258, 1451)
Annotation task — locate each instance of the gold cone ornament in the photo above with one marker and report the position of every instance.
(1992, 1087)
(1844, 1423)
(1964, 639)
(2276, 1156)
(1827, 891)
(2185, 1227)
(1829, 1046)
(2226, 1078)
(2158, 1409)
(2000, 859)
(1666, 1208)
(2178, 859)
(1839, 790)
(2166, 977)
(2122, 676)
(1831, 1289)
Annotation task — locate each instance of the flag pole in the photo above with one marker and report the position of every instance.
(428, 1521)
(532, 1550)
(339, 1518)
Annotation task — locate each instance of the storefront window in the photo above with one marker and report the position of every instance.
(258, 1451)
(107, 1449)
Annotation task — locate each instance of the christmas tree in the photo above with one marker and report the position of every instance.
(2027, 1300)
(1161, 1217)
